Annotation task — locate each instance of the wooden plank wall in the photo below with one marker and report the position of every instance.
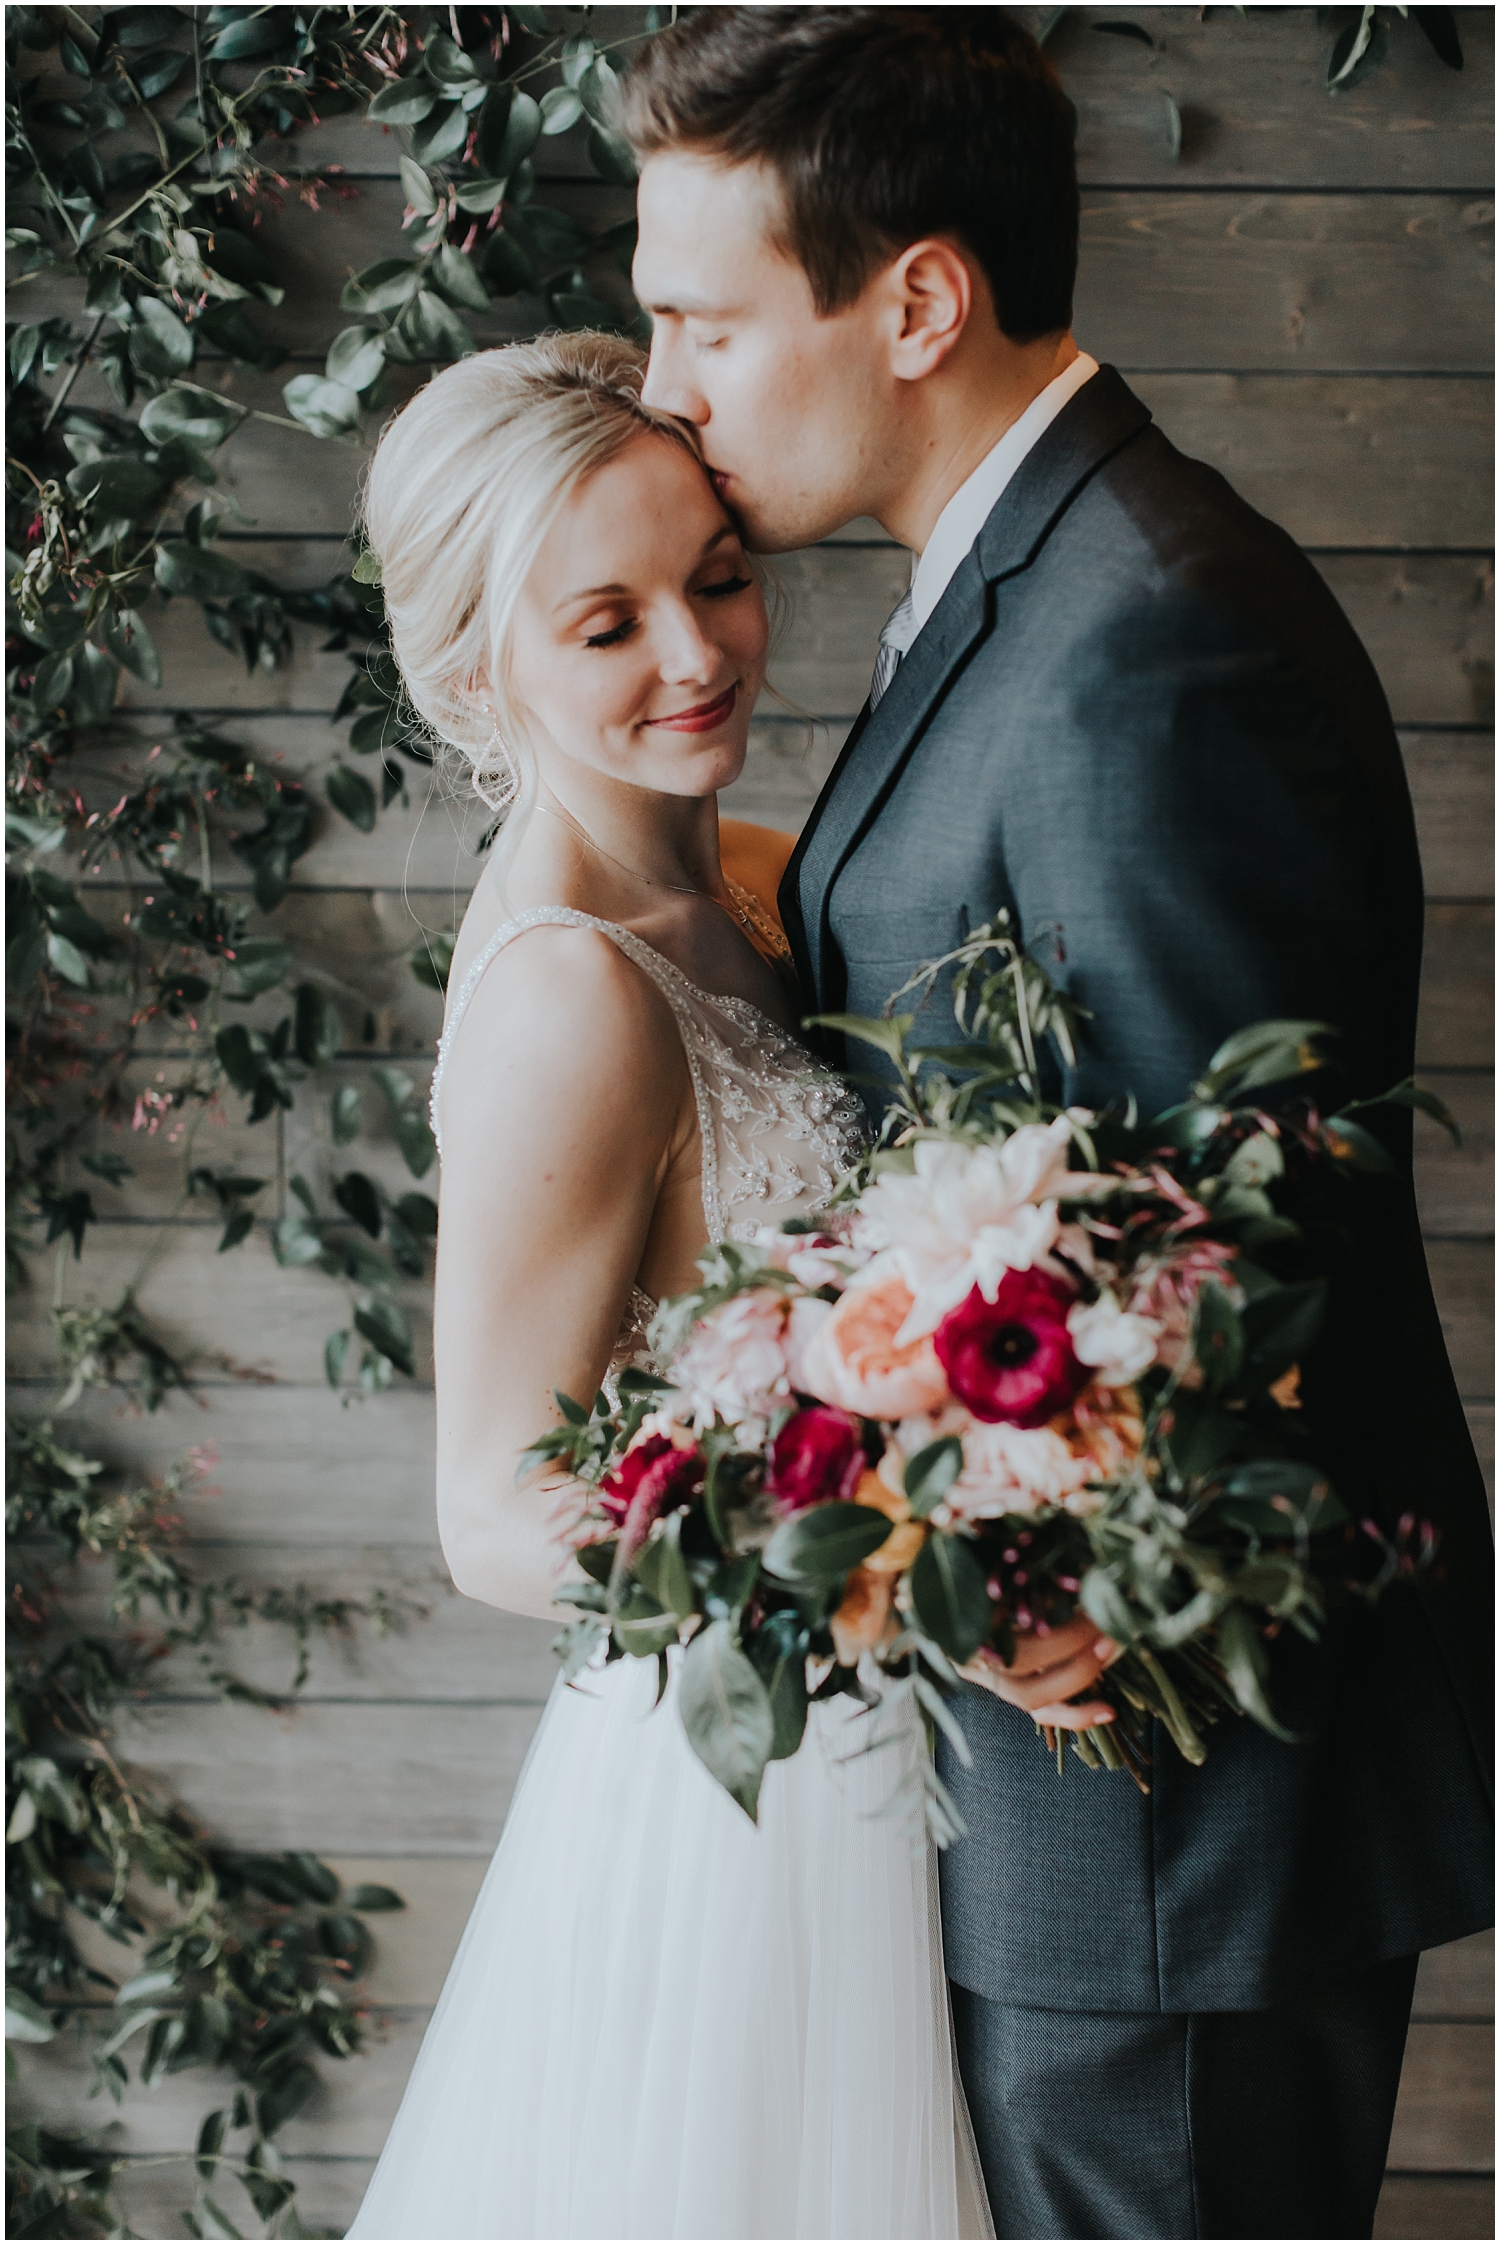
(1304, 300)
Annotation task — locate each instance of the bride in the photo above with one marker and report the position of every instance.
(662, 2021)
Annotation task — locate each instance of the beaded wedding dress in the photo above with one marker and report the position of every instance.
(663, 2021)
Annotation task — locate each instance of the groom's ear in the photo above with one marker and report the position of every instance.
(930, 292)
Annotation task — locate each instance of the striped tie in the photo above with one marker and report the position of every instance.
(900, 630)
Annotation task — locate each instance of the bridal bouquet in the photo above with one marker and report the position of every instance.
(1032, 1362)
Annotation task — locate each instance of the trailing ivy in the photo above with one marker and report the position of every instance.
(143, 145)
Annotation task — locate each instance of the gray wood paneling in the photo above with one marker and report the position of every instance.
(1338, 460)
(1312, 282)
(1455, 1184)
(1445, 2114)
(1452, 779)
(1455, 1025)
(1413, 2206)
(1426, 619)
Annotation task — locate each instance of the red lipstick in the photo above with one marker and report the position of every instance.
(703, 718)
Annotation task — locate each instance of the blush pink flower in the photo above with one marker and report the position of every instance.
(851, 1356)
(1167, 1292)
(734, 1361)
(1013, 1359)
(817, 1458)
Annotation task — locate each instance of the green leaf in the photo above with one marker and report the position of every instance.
(385, 1326)
(358, 1198)
(117, 487)
(211, 2142)
(642, 1627)
(417, 187)
(523, 129)
(53, 682)
(347, 1115)
(335, 1351)
(1441, 31)
(441, 134)
(825, 1543)
(1218, 1337)
(1256, 1162)
(888, 1037)
(319, 1032)
(355, 358)
(199, 573)
(1354, 1147)
(329, 409)
(294, 1242)
(25, 2020)
(663, 1570)
(931, 1473)
(1412, 1094)
(949, 1596)
(406, 102)
(369, 1898)
(435, 329)
(727, 1714)
(366, 570)
(433, 964)
(205, 421)
(1240, 1647)
(126, 637)
(159, 344)
(479, 195)
(68, 960)
(612, 157)
(457, 279)
(1281, 1325)
(1266, 1053)
(351, 793)
(261, 962)
(560, 109)
(1107, 1607)
(96, 679)
(445, 60)
(258, 32)
(383, 287)
(1270, 1496)
(778, 1652)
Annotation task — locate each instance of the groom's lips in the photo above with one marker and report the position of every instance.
(703, 718)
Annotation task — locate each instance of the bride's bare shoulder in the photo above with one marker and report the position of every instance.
(562, 1008)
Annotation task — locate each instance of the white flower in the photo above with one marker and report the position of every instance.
(968, 1214)
(1119, 1344)
(734, 1360)
(1015, 1469)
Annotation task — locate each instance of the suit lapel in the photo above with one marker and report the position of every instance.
(1094, 424)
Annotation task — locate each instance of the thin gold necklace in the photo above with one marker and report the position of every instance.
(742, 906)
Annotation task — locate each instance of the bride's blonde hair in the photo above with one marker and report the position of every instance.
(465, 484)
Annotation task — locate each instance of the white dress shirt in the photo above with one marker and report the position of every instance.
(967, 511)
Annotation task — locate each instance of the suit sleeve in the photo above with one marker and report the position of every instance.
(1191, 834)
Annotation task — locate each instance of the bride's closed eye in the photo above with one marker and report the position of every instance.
(619, 633)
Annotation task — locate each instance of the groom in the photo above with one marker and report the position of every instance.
(1123, 706)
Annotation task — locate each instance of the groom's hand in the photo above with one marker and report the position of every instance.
(1047, 1674)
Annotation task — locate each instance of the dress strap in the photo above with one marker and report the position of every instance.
(674, 987)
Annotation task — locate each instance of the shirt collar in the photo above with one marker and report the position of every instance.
(970, 507)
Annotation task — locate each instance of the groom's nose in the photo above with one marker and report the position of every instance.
(667, 388)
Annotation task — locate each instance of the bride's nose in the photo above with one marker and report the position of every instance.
(684, 655)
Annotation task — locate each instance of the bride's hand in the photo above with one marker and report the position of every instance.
(1047, 1673)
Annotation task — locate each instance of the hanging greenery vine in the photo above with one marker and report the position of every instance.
(143, 143)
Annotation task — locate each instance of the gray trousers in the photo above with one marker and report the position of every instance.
(1241, 2124)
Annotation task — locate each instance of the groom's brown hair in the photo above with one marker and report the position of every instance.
(882, 125)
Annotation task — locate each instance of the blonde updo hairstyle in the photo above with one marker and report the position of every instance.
(465, 484)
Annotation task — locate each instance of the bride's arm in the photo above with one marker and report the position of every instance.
(564, 1097)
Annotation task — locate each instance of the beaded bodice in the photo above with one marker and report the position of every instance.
(777, 1129)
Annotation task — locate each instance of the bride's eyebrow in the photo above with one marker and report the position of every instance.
(607, 592)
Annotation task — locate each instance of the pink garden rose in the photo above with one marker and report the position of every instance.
(850, 1357)
(817, 1458)
(1012, 1359)
(734, 1361)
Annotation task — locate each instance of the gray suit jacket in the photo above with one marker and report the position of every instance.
(1140, 721)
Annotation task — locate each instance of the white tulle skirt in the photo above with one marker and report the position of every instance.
(664, 2022)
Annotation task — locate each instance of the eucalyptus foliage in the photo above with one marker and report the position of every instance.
(143, 145)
